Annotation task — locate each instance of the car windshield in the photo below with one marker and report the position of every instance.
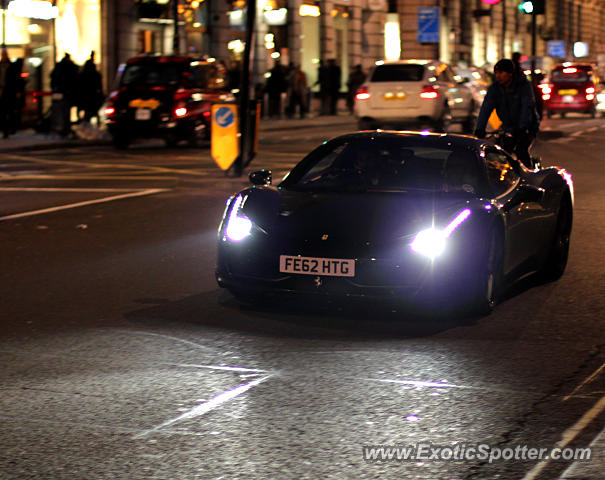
(386, 164)
(151, 74)
(572, 75)
(398, 73)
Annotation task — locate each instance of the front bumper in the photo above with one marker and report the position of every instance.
(407, 278)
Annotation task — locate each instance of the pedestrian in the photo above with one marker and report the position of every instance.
(355, 80)
(322, 82)
(15, 91)
(5, 101)
(516, 58)
(63, 83)
(333, 85)
(90, 91)
(512, 98)
(297, 92)
(275, 86)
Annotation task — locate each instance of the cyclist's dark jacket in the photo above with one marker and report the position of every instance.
(515, 106)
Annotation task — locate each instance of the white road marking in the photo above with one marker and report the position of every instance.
(219, 367)
(568, 435)
(141, 177)
(585, 382)
(418, 383)
(206, 407)
(577, 133)
(59, 189)
(127, 166)
(592, 129)
(141, 193)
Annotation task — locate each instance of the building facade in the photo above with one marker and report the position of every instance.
(352, 32)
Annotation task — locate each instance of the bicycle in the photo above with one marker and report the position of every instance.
(508, 142)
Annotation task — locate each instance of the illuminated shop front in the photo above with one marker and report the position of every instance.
(42, 31)
(310, 45)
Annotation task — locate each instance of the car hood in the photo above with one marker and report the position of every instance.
(353, 217)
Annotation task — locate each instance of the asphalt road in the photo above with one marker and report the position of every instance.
(121, 358)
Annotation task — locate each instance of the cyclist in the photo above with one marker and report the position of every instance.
(513, 99)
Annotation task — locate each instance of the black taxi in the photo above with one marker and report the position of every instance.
(167, 97)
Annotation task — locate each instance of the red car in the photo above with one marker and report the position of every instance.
(571, 88)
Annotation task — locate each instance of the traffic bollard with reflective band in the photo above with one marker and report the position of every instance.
(224, 142)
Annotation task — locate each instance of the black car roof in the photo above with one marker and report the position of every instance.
(439, 139)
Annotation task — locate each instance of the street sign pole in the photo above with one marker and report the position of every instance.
(175, 16)
(244, 103)
(533, 49)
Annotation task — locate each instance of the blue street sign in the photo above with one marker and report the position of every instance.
(224, 116)
(428, 25)
(556, 48)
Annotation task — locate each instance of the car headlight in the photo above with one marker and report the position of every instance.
(432, 242)
(238, 226)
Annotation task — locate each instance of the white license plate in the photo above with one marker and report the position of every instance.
(334, 267)
(142, 114)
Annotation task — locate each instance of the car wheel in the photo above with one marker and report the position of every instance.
(548, 114)
(562, 114)
(121, 142)
(555, 263)
(445, 120)
(488, 282)
(593, 113)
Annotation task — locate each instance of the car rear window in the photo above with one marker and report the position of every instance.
(570, 75)
(398, 73)
(152, 74)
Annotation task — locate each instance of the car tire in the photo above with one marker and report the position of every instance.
(562, 114)
(121, 142)
(487, 283)
(444, 122)
(556, 261)
(548, 114)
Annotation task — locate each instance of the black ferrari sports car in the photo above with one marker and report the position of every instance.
(399, 215)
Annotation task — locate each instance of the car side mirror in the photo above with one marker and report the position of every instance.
(260, 177)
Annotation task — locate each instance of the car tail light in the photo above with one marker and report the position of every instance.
(590, 96)
(180, 112)
(590, 90)
(429, 92)
(590, 93)
(362, 93)
(109, 111)
(206, 113)
(546, 88)
(546, 96)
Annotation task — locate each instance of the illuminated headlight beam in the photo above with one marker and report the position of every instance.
(238, 226)
(432, 242)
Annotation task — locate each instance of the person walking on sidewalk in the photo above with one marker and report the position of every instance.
(356, 79)
(333, 77)
(5, 100)
(297, 92)
(275, 86)
(63, 83)
(90, 91)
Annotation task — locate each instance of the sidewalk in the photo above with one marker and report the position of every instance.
(29, 140)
